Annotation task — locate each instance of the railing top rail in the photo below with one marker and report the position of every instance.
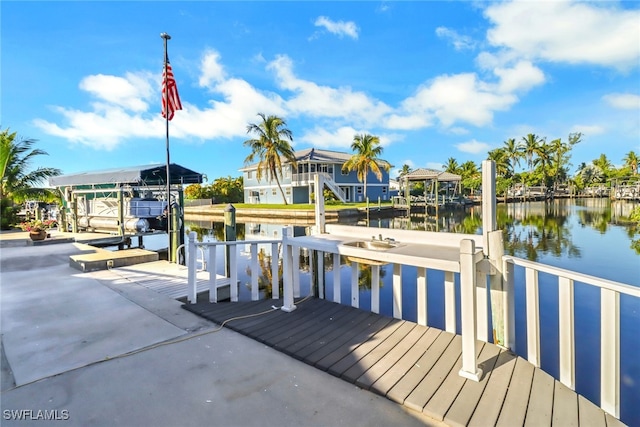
(239, 242)
(578, 277)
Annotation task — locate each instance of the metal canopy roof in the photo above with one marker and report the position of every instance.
(423, 174)
(153, 174)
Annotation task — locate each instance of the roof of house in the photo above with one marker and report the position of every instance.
(153, 174)
(316, 155)
(422, 174)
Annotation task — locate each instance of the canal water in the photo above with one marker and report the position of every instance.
(590, 236)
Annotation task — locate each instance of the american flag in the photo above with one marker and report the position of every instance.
(169, 93)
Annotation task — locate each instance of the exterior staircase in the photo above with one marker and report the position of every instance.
(333, 186)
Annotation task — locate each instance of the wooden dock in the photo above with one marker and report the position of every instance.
(412, 365)
(171, 279)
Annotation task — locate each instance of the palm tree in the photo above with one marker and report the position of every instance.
(17, 181)
(603, 164)
(530, 148)
(631, 161)
(513, 151)
(271, 146)
(451, 166)
(499, 156)
(366, 158)
(405, 170)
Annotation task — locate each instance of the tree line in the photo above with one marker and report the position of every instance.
(533, 161)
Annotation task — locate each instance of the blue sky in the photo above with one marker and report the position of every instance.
(432, 79)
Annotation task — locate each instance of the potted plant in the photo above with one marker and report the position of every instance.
(38, 229)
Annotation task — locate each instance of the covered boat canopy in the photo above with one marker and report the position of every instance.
(149, 175)
(423, 174)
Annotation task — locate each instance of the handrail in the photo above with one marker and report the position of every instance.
(573, 275)
(610, 292)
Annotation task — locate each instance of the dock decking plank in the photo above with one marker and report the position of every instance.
(516, 401)
(383, 384)
(589, 414)
(420, 369)
(565, 406)
(391, 357)
(340, 347)
(446, 394)
(304, 327)
(490, 405)
(339, 361)
(540, 408)
(465, 404)
(323, 334)
(377, 353)
(413, 365)
(423, 392)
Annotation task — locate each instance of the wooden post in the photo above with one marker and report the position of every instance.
(493, 243)
(468, 308)
(229, 235)
(74, 210)
(175, 231)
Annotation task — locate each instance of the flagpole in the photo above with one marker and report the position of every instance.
(167, 37)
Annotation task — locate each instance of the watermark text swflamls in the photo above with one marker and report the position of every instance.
(35, 415)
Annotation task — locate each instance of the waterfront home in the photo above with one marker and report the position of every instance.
(297, 183)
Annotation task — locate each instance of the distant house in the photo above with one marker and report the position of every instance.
(298, 184)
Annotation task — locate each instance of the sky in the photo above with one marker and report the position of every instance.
(431, 79)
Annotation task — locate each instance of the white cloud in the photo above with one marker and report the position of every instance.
(320, 137)
(588, 130)
(567, 32)
(211, 71)
(623, 101)
(520, 78)
(323, 101)
(339, 28)
(130, 92)
(459, 41)
(459, 98)
(473, 147)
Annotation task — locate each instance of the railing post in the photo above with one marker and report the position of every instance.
(497, 288)
(610, 351)
(468, 308)
(275, 276)
(336, 278)
(375, 289)
(508, 271)
(566, 322)
(450, 324)
(255, 272)
(318, 182)
(287, 267)
(355, 290)
(191, 275)
(421, 295)
(397, 291)
(213, 277)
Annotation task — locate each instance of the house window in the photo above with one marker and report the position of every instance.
(313, 167)
(330, 169)
(249, 174)
(299, 168)
(359, 190)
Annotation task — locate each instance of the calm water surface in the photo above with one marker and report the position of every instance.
(585, 235)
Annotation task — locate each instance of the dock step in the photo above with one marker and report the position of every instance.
(101, 259)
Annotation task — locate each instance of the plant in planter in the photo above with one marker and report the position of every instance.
(38, 229)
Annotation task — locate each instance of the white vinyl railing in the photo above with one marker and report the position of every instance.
(610, 292)
(474, 300)
(212, 266)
